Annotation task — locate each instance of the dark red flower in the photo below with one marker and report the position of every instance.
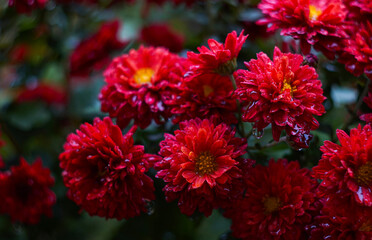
(25, 192)
(282, 93)
(139, 84)
(19, 53)
(26, 6)
(342, 220)
(218, 58)
(43, 92)
(200, 165)
(205, 96)
(93, 52)
(315, 23)
(346, 169)
(161, 35)
(368, 100)
(276, 204)
(357, 51)
(105, 173)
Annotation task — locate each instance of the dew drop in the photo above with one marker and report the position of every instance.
(150, 207)
(257, 133)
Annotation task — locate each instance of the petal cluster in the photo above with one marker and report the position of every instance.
(139, 84)
(320, 24)
(25, 193)
(105, 172)
(200, 165)
(277, 203)
(346, 169)
(93, 52)
(283, 93)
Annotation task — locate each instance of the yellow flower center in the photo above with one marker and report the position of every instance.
(287, 86)
(271, 204)
(207, 90)
(314, 12)
(205, 164)
(143, 75)
(364, 174)
(366, 227)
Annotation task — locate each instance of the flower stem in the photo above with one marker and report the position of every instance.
(240, 123)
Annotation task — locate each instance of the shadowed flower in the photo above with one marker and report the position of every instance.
(282, 93)
(315, 23)
(276, 204)
(93, 52)
(43, 92)
(105, 173)
(25, 192)
(200, 166)
(346, 169)
(26, 6)
(139, 84)
(161, 35)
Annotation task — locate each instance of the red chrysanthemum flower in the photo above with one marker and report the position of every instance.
(342, 220)
(26, 6)
(218, 58)
(200, 165)
(161, 35)
(315, 23)
(357, 51)
(44, 92)
(282, 93)
(139, 84)
(93, 52)
(206, 96)
(25, 192)
(276, 204)
(346, 169)
(105, 173)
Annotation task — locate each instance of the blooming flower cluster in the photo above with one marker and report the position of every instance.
(25, 192)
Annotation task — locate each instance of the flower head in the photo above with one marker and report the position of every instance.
(200, 165)
(346, 169)
(218, 58)
(282, 93)
(105, 172)
(357, 51)
(315, 23)
(93, 52)
(25, 192)
(44, 92)
(139, 84)
(276, 204)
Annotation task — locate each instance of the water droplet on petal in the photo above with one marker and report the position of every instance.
(257, 133)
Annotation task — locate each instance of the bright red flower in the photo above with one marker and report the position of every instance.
(44, 92)
(26, 6)
(25, 192)
(139, 84)
(346, 169)
(218, 58)
(282, 93)
(320, 24)
(357, 51)
(200, 166)
(205, 96)
(93, 52)
(105, 173)
(161, 35)
(342, 220)
(276, 204)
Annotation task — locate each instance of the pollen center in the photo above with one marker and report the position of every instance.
(314, 12)
(143, 75)
(287, 86)
(205, 164)
(207, 90)
(364, 174)
(366, 227)
(271, 204)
